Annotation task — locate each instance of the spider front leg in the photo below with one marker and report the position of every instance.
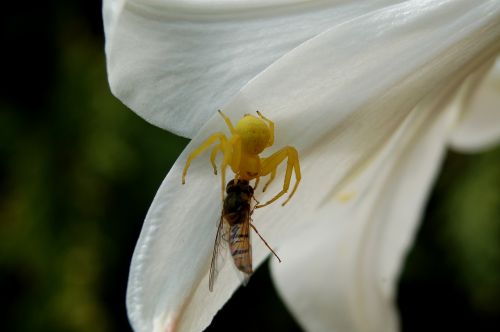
(205, 145)
(229, 152)
(234, 150)
(228, 122)
(271, 163)
(271, 178)
(257, 180)
(224, 146)
(271, 127)
(232, 156)
(213, 155)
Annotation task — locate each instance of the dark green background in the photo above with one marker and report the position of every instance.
(78, 172)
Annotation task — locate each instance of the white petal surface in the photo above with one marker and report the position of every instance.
(176, 62)
(340, 98)
(479, 126)
(341, 272)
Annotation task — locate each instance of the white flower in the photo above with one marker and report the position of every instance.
(370, 93)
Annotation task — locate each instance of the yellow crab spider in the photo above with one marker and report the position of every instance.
(249, 138)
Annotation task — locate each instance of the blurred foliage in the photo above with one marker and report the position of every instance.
(452, 275)
(79, 170)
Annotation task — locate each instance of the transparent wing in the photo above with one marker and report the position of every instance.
(218, 254)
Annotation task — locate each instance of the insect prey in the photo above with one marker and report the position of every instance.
(241, 152)
(234, 229)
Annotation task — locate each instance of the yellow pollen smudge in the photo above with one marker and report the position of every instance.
(345, 196)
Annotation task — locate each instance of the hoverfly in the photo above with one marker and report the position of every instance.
(234, 228)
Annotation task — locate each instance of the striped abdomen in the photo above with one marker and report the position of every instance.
(240, 247)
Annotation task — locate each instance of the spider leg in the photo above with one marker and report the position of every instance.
(227, 151)
(257, 179)
(235, 160)
(205, 145)
(213, 155)
(271, 178)
(270, 164)
(228, 122)
(271, 128)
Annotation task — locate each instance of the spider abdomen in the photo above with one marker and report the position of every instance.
(254, 133)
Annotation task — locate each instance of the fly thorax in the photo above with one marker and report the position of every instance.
(232, 203)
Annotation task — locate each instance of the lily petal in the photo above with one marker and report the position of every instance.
(340, 273)
(175, 62)
(479, 126)
(339, 98)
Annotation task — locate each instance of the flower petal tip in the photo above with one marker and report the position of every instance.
(166, 325)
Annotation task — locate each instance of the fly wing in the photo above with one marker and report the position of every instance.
(241, 248)
(221, 239)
